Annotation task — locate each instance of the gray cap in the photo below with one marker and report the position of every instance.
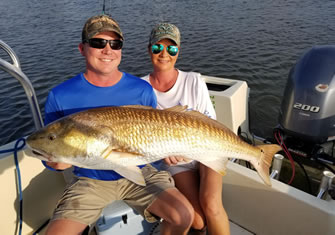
(165, 31)
(98, 24)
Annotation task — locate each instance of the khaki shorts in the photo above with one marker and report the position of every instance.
(175, 169)
(84, 199)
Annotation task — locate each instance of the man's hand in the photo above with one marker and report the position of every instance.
(58, 165)
(173, 160)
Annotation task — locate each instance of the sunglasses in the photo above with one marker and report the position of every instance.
(157, 48)
(100, 43)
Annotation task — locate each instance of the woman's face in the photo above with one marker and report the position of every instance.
(163, 61)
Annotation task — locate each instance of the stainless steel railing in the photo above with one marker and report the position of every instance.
(15, 70)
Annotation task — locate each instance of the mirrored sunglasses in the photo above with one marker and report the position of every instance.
(157, 48)
(100, 43)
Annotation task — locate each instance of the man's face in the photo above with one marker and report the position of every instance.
(103, 61)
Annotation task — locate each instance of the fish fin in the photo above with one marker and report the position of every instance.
(199, 115)
(183, 109)
(218, 165)
(264, 163)
(132, 173)
(121, 157)
(177, 108)
(137, 106)
(107, 152)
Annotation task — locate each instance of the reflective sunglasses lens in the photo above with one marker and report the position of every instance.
(97, 43)
(116, 44)
(157, 48)
(172, 50)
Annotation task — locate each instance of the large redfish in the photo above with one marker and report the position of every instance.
(120, 138)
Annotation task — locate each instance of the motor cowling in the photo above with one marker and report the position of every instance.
(308, 105)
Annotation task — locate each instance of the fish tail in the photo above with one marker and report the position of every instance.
(264, 163)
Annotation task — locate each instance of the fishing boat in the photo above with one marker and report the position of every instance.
(30, 191)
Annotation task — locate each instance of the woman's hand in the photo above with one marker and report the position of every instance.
(173, 160)
(58, 165)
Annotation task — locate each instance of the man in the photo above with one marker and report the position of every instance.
(103, 84)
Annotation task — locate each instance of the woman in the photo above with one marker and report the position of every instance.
(201, 185)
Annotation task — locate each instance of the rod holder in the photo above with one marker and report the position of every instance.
(276, 166)
(326, 183)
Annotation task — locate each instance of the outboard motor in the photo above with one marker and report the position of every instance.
(307, 112)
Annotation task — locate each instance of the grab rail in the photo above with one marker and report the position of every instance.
(15, 70)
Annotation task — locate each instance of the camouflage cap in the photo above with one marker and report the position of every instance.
(165, 31)
(98, 24)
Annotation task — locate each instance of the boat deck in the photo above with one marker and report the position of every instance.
(234, 230)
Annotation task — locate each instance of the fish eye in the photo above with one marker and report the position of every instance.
(51, 136)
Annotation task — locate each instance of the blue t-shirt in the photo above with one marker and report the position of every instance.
(78, 94)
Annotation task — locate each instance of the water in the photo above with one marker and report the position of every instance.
(257, 41)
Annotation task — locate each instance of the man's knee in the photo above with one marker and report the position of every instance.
(182, 216)
(174, 208)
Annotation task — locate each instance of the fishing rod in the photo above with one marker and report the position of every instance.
(104, 7)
